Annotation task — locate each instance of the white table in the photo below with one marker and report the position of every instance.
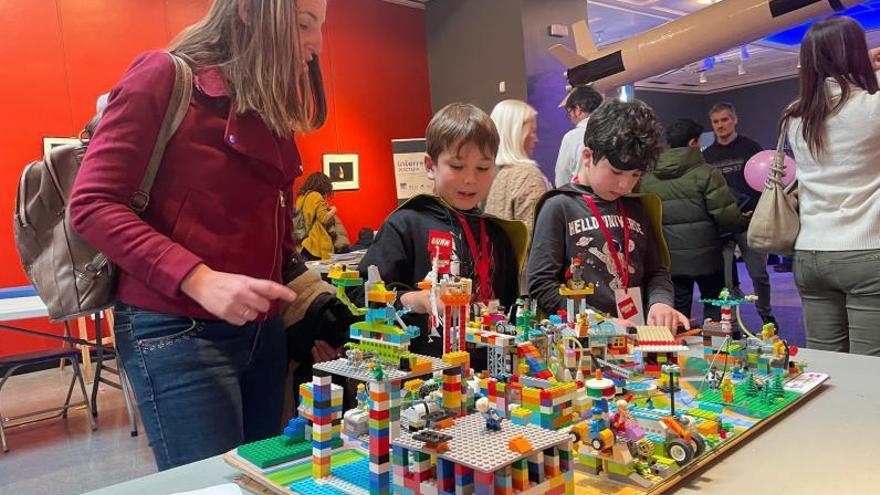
(20, 308)
(826, 445)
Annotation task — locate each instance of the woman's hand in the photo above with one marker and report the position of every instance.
(664, 315)
(236, 299)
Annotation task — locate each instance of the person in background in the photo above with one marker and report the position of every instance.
(315, 220)
(364, 240)
(581, 102)
(834, 134)
(518, 183)
(729, 154)
(200, 287)
(696, 202)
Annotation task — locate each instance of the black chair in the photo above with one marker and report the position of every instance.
(12, 363)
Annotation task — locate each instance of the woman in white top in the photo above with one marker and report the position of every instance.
(834, 133)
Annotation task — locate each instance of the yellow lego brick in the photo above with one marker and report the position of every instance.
(520, 412)
(413, 385)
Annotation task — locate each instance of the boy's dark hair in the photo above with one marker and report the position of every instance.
(584, 97)
(721, 106)
(680, 133)
(318, 182)
(458, 124)
(627, 134)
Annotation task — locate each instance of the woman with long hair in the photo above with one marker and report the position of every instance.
(518, 183)
(316, 220)
(200, 268)
(834, 131)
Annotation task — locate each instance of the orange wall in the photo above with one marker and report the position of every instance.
(57, 56)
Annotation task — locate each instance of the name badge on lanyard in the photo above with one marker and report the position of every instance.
(628, 299)
(484, 292)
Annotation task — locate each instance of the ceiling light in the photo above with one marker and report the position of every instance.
(703, 78)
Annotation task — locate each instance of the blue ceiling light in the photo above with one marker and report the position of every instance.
(867, 14)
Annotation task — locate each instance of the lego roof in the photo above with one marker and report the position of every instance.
(657, 339)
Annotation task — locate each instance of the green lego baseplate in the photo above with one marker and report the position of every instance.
(274, 451)
(755, 406)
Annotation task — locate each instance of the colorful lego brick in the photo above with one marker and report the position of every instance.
(504, 481)
(520, 475)
(519, 444)
(274, 451)
(520, 416)
(445, 475)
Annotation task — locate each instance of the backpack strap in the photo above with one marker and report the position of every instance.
(177, 108)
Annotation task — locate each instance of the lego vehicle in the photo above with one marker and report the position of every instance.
(683, 442)
(418, 413)
(356, 422)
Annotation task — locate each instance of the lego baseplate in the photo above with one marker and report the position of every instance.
(360, 372)
(807, 385)
(474, 446)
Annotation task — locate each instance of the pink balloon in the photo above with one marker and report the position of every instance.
(757, 169)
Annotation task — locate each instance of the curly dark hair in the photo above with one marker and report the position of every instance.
(318, 182)
(627, 134)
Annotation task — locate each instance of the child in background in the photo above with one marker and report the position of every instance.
(595, 219)
(315, 220)
(461, 146)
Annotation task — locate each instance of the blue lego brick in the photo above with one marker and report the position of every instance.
(309, 487)
(357, 473)
(710, 406)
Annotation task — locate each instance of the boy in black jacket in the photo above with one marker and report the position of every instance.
(619, 244)
(461, 145)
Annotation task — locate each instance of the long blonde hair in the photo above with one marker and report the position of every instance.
(510, 117)
(259, 60)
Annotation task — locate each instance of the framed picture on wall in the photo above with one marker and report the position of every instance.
(343, 171)
(51, 142)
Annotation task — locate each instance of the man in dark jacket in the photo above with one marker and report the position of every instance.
(696, 202)
(729, 154)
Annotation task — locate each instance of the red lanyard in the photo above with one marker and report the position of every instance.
(622, 269)
(481, 262)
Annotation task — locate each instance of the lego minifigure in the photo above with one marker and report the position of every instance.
(620, 419)
(712, 377)
(362, 397)
(727, 390)
(378, 372)
(493, 420)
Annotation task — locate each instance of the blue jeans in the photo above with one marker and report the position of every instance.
(203, 387)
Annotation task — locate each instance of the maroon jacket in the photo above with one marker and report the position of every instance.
(222, 195)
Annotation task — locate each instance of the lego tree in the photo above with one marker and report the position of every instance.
(751, 387)
(778, 390)
(766, 394)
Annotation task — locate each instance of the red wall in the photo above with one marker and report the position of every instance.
(57, 56)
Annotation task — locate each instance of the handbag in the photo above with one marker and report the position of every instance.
(71, 277)
(775, 222)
